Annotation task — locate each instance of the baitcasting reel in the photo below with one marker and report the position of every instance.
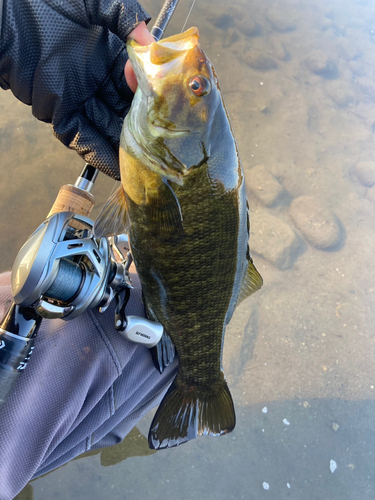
(61, 271)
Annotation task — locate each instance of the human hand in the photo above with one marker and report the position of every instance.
(142, 36)
(66, 59)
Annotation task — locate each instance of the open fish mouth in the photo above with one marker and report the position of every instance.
(161, 58)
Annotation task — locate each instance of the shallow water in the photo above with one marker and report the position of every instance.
(297, 77)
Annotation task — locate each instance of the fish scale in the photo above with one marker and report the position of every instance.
(183, 201)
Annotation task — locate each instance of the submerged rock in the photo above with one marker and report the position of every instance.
(365, 171)
(340, 92)
(319, 63)
(357, 68)
(279, 50)
(316, 222)
(281, 20)
(264, 186)
(257, 60)
(249, 27)
(230, 37)
(366, 86)
(348, 51)
(224, 21)
(273, 239)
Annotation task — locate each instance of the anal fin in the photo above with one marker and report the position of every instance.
(163, 353)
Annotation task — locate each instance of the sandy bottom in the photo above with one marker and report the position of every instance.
(298, 80)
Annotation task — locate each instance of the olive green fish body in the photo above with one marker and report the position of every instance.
(189, 279)
(187, 212)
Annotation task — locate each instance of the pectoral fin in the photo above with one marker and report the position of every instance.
(163, 211)
(252, 282)
(113, 218)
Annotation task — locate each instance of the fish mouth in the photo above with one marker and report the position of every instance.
(157, 60)
(163, 130)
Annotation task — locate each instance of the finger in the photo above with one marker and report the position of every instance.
(130, 77)
(115, 92)
(118, 16)
(142, 36)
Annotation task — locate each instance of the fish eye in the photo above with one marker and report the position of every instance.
(200, 85)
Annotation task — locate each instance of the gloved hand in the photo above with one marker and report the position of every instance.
(66, 59)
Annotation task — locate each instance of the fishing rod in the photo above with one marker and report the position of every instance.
(163, 19)
(63, 270)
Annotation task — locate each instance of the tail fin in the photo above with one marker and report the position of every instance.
(186, 412)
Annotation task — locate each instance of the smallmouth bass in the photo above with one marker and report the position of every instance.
(182, 201)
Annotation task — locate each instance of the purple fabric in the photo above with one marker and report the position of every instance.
(85, 387)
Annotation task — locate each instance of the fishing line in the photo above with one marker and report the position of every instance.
(191, 8)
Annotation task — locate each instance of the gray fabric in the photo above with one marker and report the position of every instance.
(85, 387)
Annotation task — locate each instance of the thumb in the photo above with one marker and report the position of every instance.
(142, 36)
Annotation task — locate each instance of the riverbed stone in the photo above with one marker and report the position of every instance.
(281, 20)
(315, 221)
(273, 239)
(261, 182)
(249, 27)
(365, 172)
(367, 87)
(340, 92)
(321, 64)
(258, 60)
(348, 51)
(357, 68)
(279, 50)
(223, 21)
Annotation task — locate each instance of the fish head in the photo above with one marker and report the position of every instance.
(177, 97)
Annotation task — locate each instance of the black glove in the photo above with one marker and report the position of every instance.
(66, 59)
